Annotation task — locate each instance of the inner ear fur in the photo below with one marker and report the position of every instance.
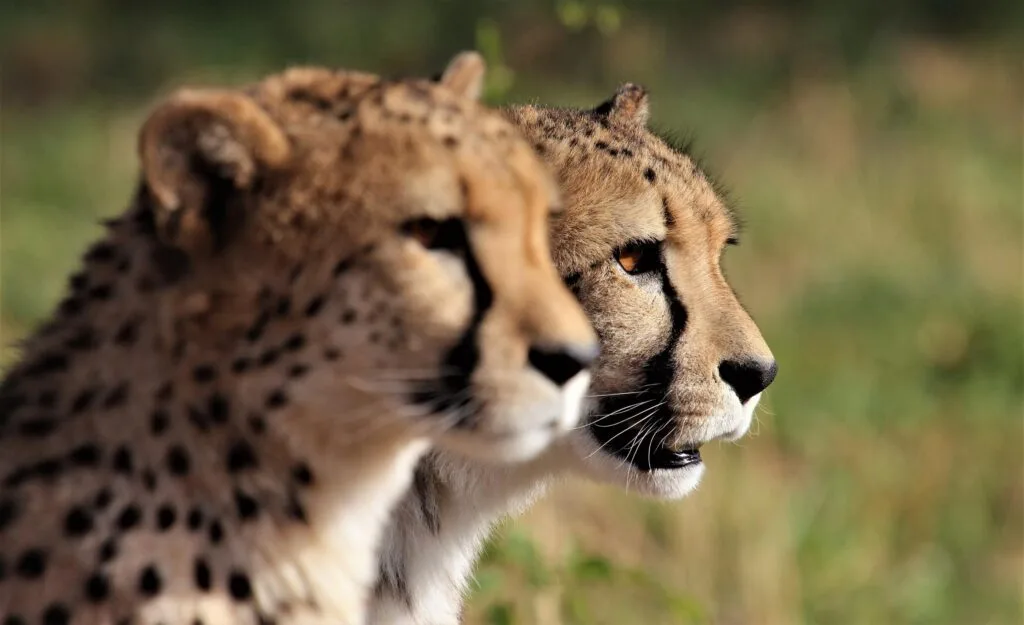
(465, 74)
(197, 149)
(628, 106)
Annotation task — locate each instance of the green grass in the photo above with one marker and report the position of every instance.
(882, 257)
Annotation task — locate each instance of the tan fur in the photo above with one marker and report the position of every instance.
(214, 424)
(658, 386)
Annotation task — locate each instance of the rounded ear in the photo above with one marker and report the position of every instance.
(628, 105)
(465, 74)
(198, 148)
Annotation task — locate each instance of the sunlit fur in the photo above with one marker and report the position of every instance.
(622, 185)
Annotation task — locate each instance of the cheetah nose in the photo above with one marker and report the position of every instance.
(560, 363)
(748, 377)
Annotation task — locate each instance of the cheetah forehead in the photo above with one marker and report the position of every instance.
(621, 181)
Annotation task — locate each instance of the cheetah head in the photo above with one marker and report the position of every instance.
(376, 250)
(640, 243)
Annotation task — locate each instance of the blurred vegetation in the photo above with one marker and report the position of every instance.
(874, 149)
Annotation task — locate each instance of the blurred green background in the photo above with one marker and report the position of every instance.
(875, 151)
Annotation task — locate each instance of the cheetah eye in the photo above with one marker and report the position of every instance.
(432, 234)
(638, 258)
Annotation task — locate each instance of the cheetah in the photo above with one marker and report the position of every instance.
(320, 275)
(681, 364)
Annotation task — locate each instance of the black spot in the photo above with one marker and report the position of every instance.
(31, 564)
(198, 418)
(8, 512)
(257, 424)
(315, 305)
(83, 400)
(241, 457)
(48, 469)
(37, 428)
(56, 614)
(298, 370)
(18, 476)
(239, 586)
(123, 460)
(246, 506)
(342, 266)
(165, 392)
(255, 331)
(97, 588)
(47, 399)
(216, 532)
(9, 403)
(149, 480)
(124, 265)
(302, 475)
(276, 399)
(84, 339)
(170, 263)
(3, 568)
(241, 365)
(649, 174)
(348, 316)
(284, 306)
(218, 408)
(601, 145)
(129, 518)
(295, 509)
(195, 519)
(78, 281)
(268, 357)
(128, 333)
(178, 460)
(71, 306)
(108, 550)
(116, 397)
(102, 499)
(204, 373)
(294, 343)
(101, 253)
(331, 353)
(149, 582)
(159, 421)
(77, 522)
(201, 571)
(166, 516)
(670, 221)
(102, 292)
(87, 455)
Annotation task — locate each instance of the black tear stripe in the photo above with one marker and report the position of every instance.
(441, 395)
(619, 435)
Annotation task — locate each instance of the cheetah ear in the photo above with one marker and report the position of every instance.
(628, 106)
(198, 148)
(465, 75)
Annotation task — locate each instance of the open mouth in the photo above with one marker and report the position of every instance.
(641, 442)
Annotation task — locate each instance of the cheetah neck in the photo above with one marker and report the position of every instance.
(112, 410)
(439, 527)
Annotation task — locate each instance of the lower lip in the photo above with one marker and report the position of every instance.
(660, 459)
(668, 459)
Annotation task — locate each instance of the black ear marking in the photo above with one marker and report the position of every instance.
(628, 106)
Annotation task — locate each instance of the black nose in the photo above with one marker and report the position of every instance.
(748, 377)
(560, 363)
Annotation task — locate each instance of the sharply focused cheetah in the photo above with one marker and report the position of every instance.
(317, 273)
(681, 362)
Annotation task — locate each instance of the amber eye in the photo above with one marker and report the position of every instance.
(436, 235)
(639, 258)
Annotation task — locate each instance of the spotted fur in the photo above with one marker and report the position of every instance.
(681, 361)
(318, 272)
